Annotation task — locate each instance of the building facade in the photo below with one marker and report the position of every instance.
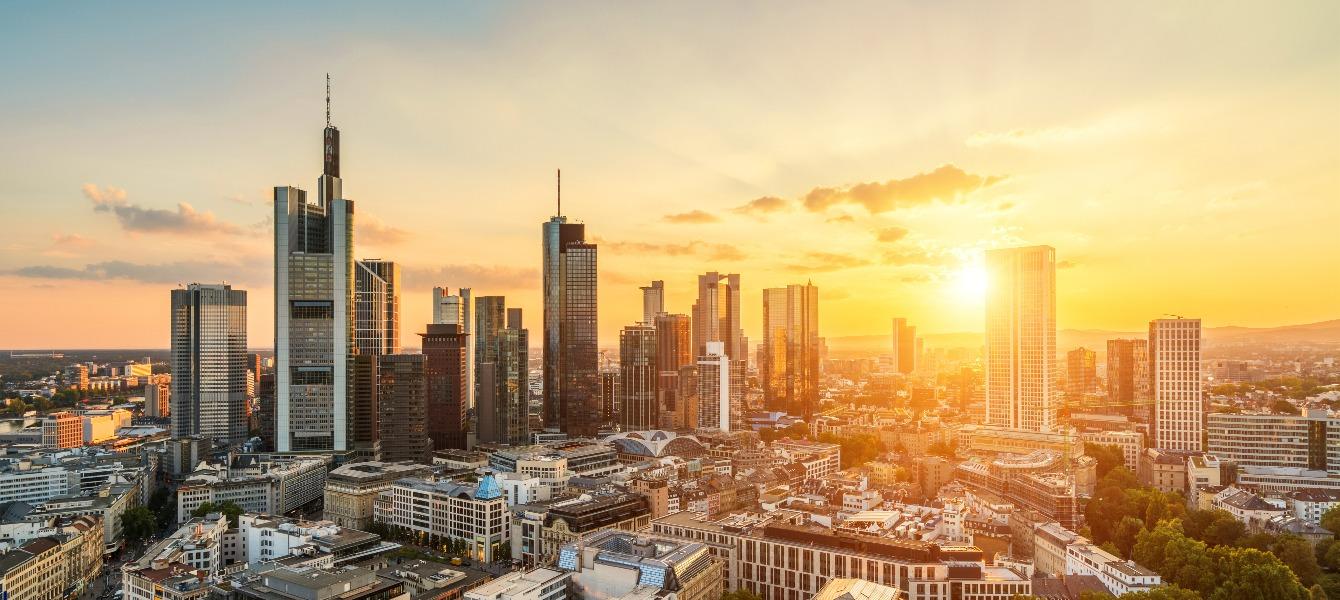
(1021, 338)
(447, 348)
(638, 409)
(1179, 408)
(716, 315)
(209, 368)
(789, 363)
(376, 307)
(501, 378)
(570, 349)
(402, 406)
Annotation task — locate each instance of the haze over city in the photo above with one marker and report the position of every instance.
(1179, 159)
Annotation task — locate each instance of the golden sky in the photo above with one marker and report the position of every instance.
(1182, 159)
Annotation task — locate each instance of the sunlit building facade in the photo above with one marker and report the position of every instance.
(1021, 338)
(637, 377)
(376, 307)
(716, 315)
(1174, 359)
(571, 353)
(789, 363)
(501, 352)
(209, 367)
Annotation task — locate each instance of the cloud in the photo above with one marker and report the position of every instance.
(691, 217)
(841, 219)
(915, 278)
(762, 206)
(70, 241)
(138, 219)
(369, 230)
(481, 277)
(712, 251)
(946, 184)
(177, 272)
(1105, 128)
(913, 256)
(891, 234)
(816, 262)
(1066, 264)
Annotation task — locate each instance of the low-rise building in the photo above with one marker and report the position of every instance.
(535, 584)
(352, 489)
(475, 513)
(1117, 575)
(256, 484)
(616, 564)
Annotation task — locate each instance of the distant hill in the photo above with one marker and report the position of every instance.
(1324, 332)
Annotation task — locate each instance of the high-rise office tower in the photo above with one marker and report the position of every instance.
(674, 352)
(638, 377)
(609, 396)
(446, 348)
(1174, 371)
(376, 307)
(456, 310)
(501, 352)
(364, 412)
(1021, 338)
(1081, 370)
(904, 346)
(571, 353)
(209, 362)
(789, 366)
(653, 301)
(254, 365)
(402, 401)
(716, 315)
(720, 389)
(1128, 378)
(314, 293)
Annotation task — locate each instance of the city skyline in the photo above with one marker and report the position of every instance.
(1032, 146)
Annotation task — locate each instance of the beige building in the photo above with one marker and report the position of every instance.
(1179, 409)
(1021, 338)
(26, 573)
(352, 489)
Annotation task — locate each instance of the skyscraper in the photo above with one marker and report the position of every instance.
(720, 389)
(1021, 338)
(501, 352)
(376, 307)
(674, 352)
(637, 377)
(1174, 359)
(209, 362)
(571, 353)
(456, 310)
(446, 348)
(904, 346)
(314, 293)
(402, 403)
(653, 301)
(1128, 378)
(789, 366)
(716, 315)
(364, 412)
(1081, 369)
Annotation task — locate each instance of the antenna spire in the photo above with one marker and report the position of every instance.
(327, 99)
(560, 192)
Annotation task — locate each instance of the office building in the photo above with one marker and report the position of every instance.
(609, 396)
(376, 307)
(721, 383)
(904, 346)
(256, 483)
(364, 409)
(674, 352)
(789, 363)
(1305, 441)
(716, 315)
(1174, 369)
(314, 293)
(402, 407)
(458, 310)
(447, 348)
(62, 430)
(653, 301)
(501, 378)
(571, 353)
(209, 362)
(637, 378)
(1081, 370)
(1021, 338)
(351, 490)
(157, 400)
(1128, 378)
(475, 514)
(601, 565)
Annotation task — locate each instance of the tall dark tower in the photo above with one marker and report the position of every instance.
(571, 355)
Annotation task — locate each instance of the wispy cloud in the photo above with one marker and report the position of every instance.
(138, 219)
(175, 272)
(759, 207)
(817, 262)
(1102, 129)
(691, 217)
(370, 230)
(891, 234)
(945, 184)
(712, 251)
(481, 277)
(913, 256)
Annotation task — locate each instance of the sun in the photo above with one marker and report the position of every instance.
(969, 282)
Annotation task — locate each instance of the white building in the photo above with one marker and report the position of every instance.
(259, 486)
(1118, 576)
(714, 388)
(1310, 505)
(474, 513)
(1021, 338)
(536, 584)
(1306, 441)
(1179, 410)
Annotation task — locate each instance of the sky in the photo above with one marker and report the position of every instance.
(1182, 158)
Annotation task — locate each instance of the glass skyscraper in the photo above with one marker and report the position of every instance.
(571, 355)
(789, 362)
(376, 307)
(1021, 338)
(209, 362)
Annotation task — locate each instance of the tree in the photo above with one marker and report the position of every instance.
(137, 524)
(1281, 406)
(1331, 520)
(229, 509)
(1214, 527)
(1248, 574)
(1163, 592)
(1317, 592)
(1127, 530)
(1108, 456)
(1297, 554)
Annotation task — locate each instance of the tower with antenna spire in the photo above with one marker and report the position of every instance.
(314, 294)
(571, 351)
